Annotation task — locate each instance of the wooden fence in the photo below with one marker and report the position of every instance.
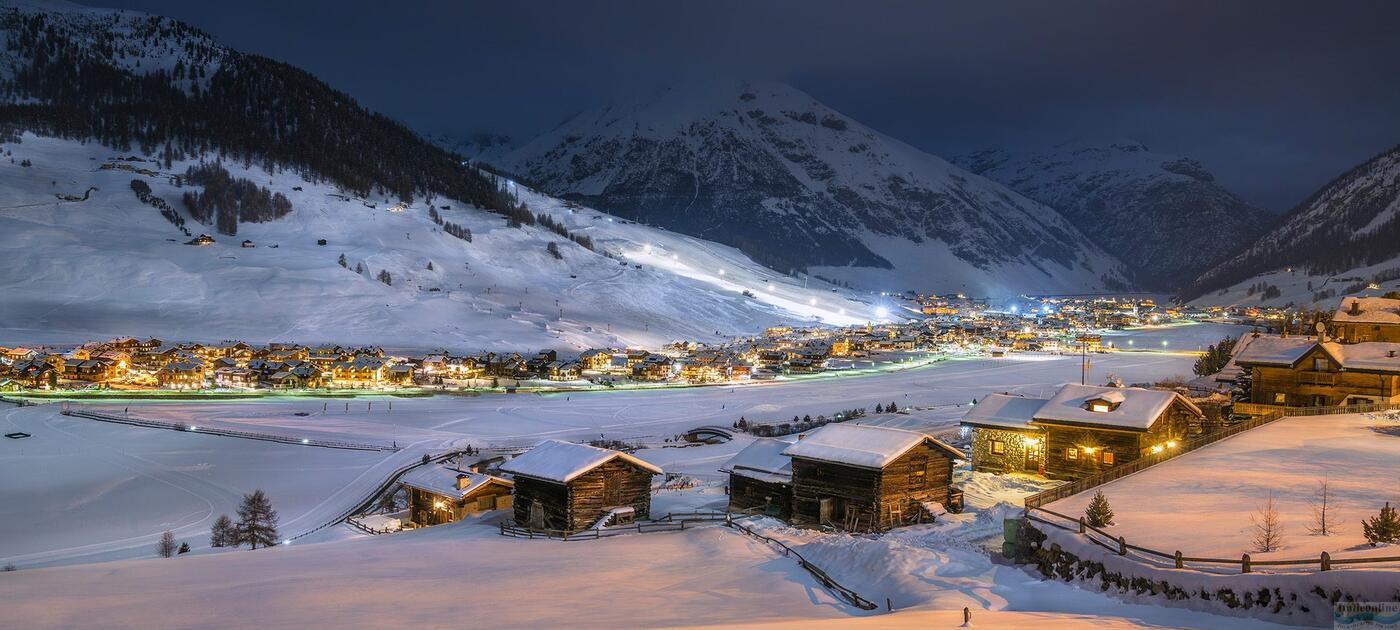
(1075, 487)
(247, 435)
(1120, 546)
(850, 596)
(668, 523)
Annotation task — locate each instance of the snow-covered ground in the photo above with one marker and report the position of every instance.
(112, 265)
(1299, 288)
(1219, 488)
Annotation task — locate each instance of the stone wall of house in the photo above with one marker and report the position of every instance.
(1013, 459)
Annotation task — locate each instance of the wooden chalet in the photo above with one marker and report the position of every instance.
(34, 374)
(596, 360)
(362, 371)
(437, 494)
(1084, 429)
(572, 487)
(1362, 319)
(181, 375)
(656, 367)
(864, 478)
(760, 479)
(1302, 372)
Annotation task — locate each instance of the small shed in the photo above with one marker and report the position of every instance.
(437, 494)
(760, 479)
(572, 487)
(857, 477)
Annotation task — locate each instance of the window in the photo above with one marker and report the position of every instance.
(1320, 364)
(918, 467)
(1071, 453)
(1280, 398)
(998, 447)
(1099, 407)
(1108, 458)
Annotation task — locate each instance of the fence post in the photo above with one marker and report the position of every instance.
(1122, 546)
(1081, 524)
(1326, 562)
(1179, 563)
(1244, 564)
(889, 607)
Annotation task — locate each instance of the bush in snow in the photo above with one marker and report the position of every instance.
(1383, 528)
(1099, 514)
(553, 249)
(166, 546)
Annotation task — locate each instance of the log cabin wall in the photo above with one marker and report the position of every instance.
(854, 488)
(746, 493)
(1317, 381)
(921, 474)
(1066, 456)
(617, 483)
(553, 499)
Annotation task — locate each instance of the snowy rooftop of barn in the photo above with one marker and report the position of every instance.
(1004, 410)
(562, 462)
(862, 445)
(1135, 408)
(443, 481)
(1373, 356)
(763, 460)
(1369, 310)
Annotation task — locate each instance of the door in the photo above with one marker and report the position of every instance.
(536, 515)
(1033, 455)
(832, 510)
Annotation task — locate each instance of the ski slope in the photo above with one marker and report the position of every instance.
(112, 265)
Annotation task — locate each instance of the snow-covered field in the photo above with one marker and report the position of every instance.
(111, 265)
(1217, 489)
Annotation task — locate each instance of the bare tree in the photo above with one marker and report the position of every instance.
(166, 546)
(1324, 523)
(1268, 530)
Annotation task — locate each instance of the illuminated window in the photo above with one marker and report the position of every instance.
(1108, 458)
(998, 447)
(1280, 398)
(1071, 453)
(1099, 407)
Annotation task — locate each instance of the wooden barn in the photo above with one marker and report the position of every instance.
(1089, 429)
(572, 487)
(760, 479)
(437, 494)
(1362, 319)
(864, 478)
(1003, 438)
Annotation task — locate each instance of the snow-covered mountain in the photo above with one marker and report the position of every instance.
(108, 109)
(797, 185)
(1342, 239)
(1164, 215)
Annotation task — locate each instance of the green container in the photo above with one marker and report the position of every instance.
(1009, 527)
(1008, 550)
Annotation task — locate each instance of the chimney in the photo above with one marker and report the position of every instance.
(463, 480)
(1356, 307)
(474, 467)
(1390, 354)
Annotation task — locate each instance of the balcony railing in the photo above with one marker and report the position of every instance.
(1317, 378)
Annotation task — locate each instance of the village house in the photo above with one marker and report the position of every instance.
(864, 478)
(437, 494)
(360, 372)
(1362, 319)
(236, 378)
(572, 487)
(90, 370)
(760, 479)
(656, 367)
(563, 371)
(181, 375)
(1085, 429)
(34, 374)
(1303, 372)
(596, 360)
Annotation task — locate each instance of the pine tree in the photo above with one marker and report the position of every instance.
(223, 534)
(360, 268)
(257, 521)
(891, 408)
(1099, 514)
(1384, 528)
(184, 548)
(553, 249)
(1268, 529)
(166, 546)
(385, 277)
(343, 262)
(430, 265)
(879, 408)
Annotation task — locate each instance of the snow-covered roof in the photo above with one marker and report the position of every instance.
(1369, 310)
(562, 462)
(1138, 410)
(1272, 350)
(1003, 410)
(862, 445)
(443, 481)
(1371, 356)
(763, 460)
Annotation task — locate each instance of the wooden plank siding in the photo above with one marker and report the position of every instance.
(866, 496)
(579, 504)
(1175, 423)
(747, 493)
(1305, 386)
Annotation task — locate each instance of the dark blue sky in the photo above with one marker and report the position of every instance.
(1276, 98)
